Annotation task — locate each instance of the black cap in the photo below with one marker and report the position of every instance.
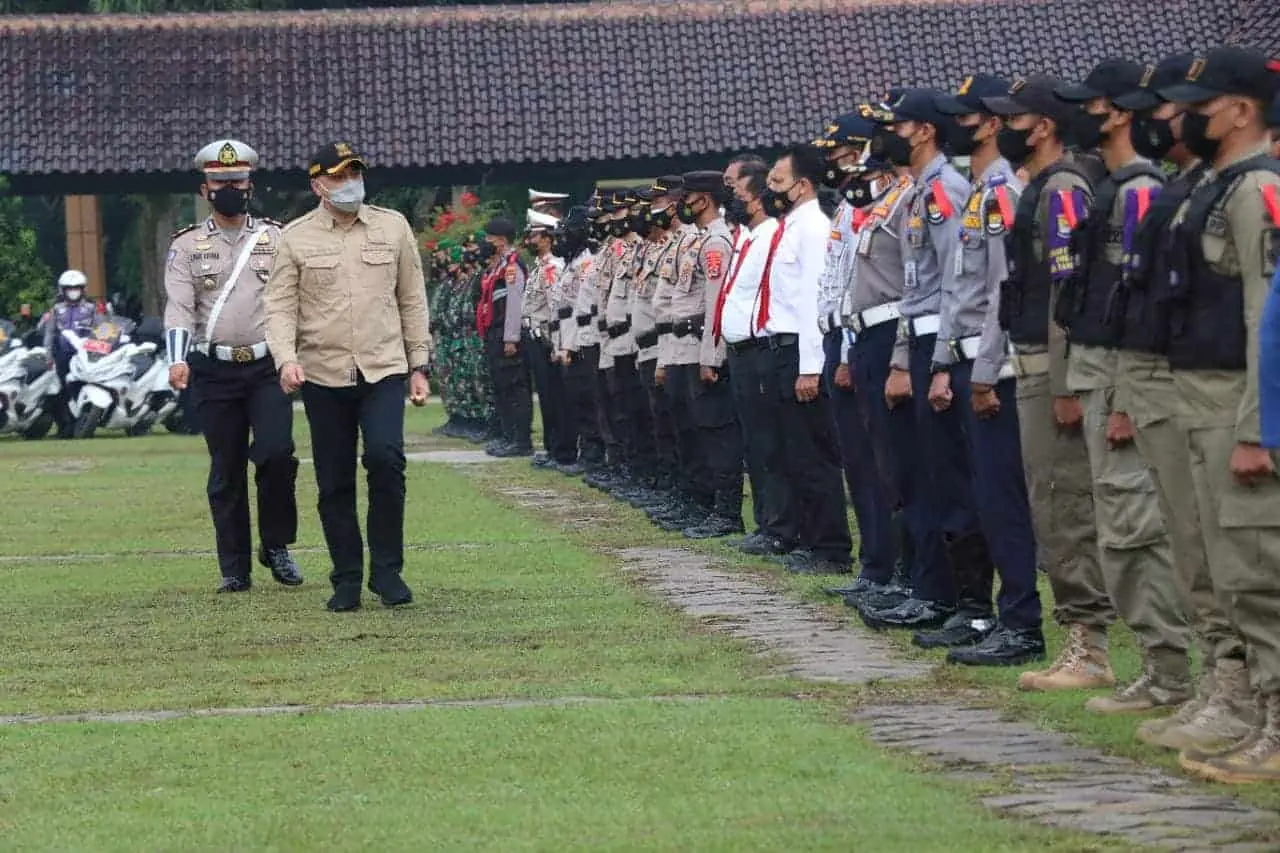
(1167, 72)
(667, 185)
(704, 181)
(332, 157)
(1227, 71)
(1031, 95)
(641, 195)
(500, 226)
(968, 99)
(1109, 79)
(912, 105)
(849, 129)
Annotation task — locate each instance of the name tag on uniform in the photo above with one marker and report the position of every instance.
(864, 241)
(958, 265)
(910, 277)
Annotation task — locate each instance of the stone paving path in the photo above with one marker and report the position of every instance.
(1053, 781)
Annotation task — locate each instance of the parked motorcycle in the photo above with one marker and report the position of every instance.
(28, 386)
(115, 383)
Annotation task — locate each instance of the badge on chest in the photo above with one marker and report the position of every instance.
(915, 232)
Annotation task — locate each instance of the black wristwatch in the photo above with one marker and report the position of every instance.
(936, 368)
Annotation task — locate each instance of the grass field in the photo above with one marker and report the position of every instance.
(105, 552)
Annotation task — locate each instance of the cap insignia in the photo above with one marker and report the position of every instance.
(1018, 86)
(227, 155)
(1196, 69)
(966, 86)
(1147, 72)
(343, 149)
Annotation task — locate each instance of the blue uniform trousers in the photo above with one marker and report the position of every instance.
(1000, 493)
(867, 492)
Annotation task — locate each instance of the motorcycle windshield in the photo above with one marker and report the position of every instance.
(8, 336)
(102, 340)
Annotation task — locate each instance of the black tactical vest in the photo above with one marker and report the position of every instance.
(1024, 295)
(1082, 303)
(1138, 314)
(1206, 308)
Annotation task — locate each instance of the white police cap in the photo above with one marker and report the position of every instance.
(227, 160)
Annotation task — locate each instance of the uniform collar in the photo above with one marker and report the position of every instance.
(332, 221)
(1253, 152)
(933, 169)
(998, 166)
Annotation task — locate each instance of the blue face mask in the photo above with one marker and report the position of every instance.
(347, 197)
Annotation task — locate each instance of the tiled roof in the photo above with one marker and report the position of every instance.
(1259, 26)
(506, 85)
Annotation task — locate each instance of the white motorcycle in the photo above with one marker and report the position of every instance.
(117, 384)
(28, 386)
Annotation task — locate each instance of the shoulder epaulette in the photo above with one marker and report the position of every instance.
(275, 222)
(184, 230)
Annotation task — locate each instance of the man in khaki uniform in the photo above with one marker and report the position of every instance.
(1137, 561)
(1139, 311)
(1224, 248)
(347, 323)
(216, 340)
(1055, 459)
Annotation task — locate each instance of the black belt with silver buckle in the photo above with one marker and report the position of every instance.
(583, 320)
(647, 340)
(619, 329)
(691, 326)
(663, 328)
(564, 313)
(602, 324)
(741, 347)
(553, 326)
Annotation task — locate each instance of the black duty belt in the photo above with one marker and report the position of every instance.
(647, 340)
(554, 325)
(663, 328)
(689, 326)
(602, 324)
(583, 320)
(619, 329)
(774, 342)
(564, 313)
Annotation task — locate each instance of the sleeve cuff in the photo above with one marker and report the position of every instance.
(985, 373)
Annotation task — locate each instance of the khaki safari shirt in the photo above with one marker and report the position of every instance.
(344, 301)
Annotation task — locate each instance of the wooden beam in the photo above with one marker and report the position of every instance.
(84, 242)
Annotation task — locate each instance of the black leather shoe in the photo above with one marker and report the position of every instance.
(495, 448)
(962, 629)
(1003, 647)
(750, 539)
(767, 546)
(886, 599)
(790, 556)
(601, 479)
(714, 527)
(235, 583)
(860, 587)
(393, 591)
(510, 451)
(813, 565)
(281, 564)
(678, 523)
(345, 598)
(914, 613)
(542, 460)
(570, 469)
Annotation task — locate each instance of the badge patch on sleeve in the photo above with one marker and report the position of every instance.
(715, 263)
(934, 213)
(995, 223)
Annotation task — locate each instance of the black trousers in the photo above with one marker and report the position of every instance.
(512, 395)
(614, 454)
(232, 401)
(695, 480)
(759, 415)
(718, 436)
(339, 417)
(559, 438)
(631, 420)
(580, 377)
(811, 454)
(666, 456)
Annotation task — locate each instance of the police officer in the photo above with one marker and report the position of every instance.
(347, 323)
(1139, 307)
(579, 352)
(216, 338)
(613, 221)
(536, 342)
(1224, 246)
(980, 385)
(548, 204)
(1136, 559)
(498, 320)
(951, 545)
(70, 312)
(1055, 458)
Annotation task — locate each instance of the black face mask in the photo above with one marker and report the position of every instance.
(834, 177)
(230, 201)
(858, 192)
(597, 231)
(1195, 135)
(617, 227)
(892, 147)
(735, 212)
(776, 204)
(1013, 145)
(962, 140)
(686, 214)
(1086, 130)
(1152, 137)
(470, 256)
(661, 219)
(487, 251)
(638, 223)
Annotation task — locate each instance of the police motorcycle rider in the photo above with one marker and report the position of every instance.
(71, 311)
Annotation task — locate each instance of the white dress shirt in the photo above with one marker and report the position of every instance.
(794, 280)
(741, 304)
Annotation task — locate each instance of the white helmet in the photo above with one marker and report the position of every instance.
(72, 279)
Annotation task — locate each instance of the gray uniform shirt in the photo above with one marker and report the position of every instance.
(837, 272)
(618, 308)
(929, 243)
(971, 296)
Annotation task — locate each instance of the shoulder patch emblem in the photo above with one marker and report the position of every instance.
(715, 263)
(995, 223)
(184, 230)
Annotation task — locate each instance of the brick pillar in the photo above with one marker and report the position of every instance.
(84, 242)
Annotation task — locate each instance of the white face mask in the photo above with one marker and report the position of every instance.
(73, 294)
(348, 197)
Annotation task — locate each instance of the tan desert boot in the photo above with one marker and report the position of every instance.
(1228, 716)
(1082, 664)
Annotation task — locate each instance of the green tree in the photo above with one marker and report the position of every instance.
(24, 277)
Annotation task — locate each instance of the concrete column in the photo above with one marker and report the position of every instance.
(84, 242)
